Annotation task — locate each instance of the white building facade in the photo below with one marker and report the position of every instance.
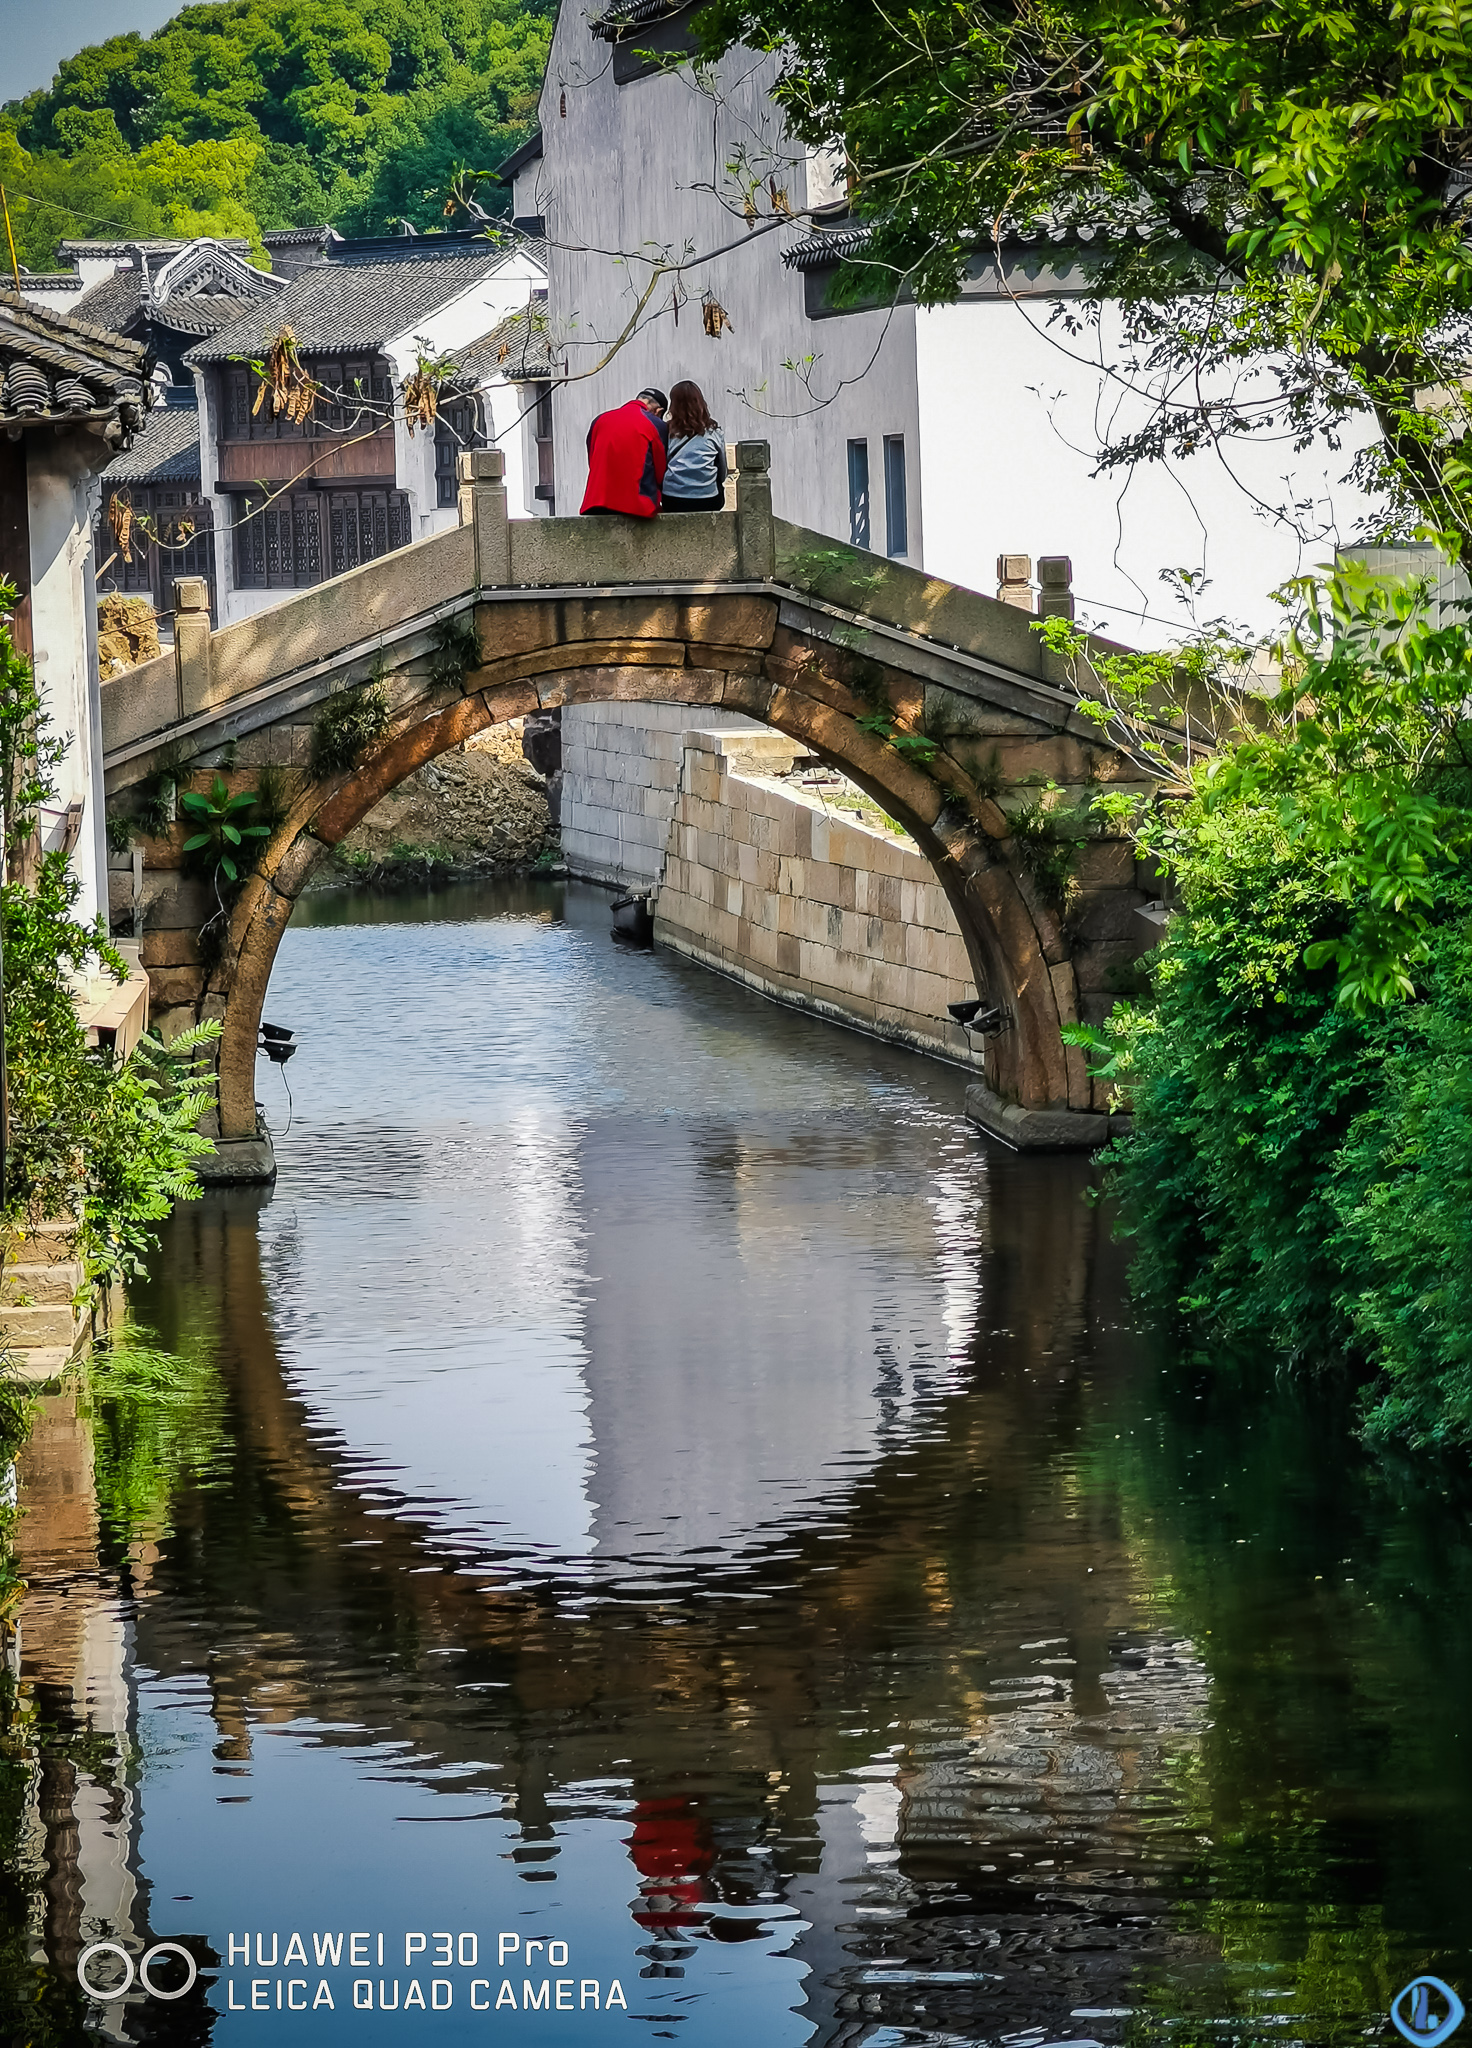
(942, 437)
(71, 397)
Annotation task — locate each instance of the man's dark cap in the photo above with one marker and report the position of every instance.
(658, 396)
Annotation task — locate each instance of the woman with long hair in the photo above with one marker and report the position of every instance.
(695, 478)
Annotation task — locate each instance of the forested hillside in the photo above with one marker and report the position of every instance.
(273, 113)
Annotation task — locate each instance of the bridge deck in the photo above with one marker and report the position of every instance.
(283, 659)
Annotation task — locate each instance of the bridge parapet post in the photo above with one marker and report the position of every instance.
(755, 544)
(482, 474)
(192, 658)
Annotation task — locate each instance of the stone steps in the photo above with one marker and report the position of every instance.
(22, 1328)
(40, 1328)
(40, 1285)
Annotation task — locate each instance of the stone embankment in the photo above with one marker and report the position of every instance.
(482, 809)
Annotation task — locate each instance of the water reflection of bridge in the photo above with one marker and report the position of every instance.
(1005, 1636)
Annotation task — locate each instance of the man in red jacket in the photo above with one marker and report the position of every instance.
(626, 457)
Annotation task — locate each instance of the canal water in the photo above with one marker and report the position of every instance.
(654, 1530)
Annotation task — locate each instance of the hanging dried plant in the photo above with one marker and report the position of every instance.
(422, 386)
(293, 389)
(120, 519)
(714, 317)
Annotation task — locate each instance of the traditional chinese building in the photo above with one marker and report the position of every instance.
(301, 491)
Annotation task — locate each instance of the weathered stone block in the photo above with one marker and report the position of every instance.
(952, 715)
(172, 900)
(1108, 968)
(1111, 915)
(176, 948)
(142, 701)
(171, 986)
(736, 622)
(1106, 864)
(297, 863)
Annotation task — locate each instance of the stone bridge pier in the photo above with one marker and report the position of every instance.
(942, 704)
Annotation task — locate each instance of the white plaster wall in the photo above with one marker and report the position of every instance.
(482, 306)
(63, 623)
(620, 772)
(619, 180)
(52, 298)
(1012, 414)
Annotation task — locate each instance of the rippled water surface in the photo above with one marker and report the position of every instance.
(651, 1479)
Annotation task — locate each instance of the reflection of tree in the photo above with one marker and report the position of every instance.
(159, 1426)
(1329, 1602)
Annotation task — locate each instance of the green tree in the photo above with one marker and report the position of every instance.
(1274, 190)
(272, 113)
(105, 1141)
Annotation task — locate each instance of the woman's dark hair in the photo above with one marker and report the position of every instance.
(689, 413)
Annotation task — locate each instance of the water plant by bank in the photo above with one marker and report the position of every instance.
(1300, 1173)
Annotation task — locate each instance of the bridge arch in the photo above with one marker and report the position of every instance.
(649, 660)
(715, 611)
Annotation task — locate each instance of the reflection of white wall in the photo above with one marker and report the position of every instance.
(587, 1268)
(1010, 425)
(436, 1326)
(739, 1388)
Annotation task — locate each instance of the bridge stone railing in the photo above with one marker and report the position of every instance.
(389, 598)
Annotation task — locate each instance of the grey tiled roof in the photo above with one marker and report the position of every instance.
(826, 245)
(118, 303)
(846, 238)
(70, 251)
(517, 349)
(114, 302)
(110, 368)
(166, 450)
(49, 280)
(624, 15)
(353, 305)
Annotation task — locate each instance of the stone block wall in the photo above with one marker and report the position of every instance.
(620, 771)
(829, 915)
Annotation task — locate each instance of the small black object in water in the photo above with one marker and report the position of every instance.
(276, 1043)
(633, 919)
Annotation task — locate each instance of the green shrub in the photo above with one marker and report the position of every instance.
(347, 725)
(104, 1141)
(1300, 1176)
(1300, 1173)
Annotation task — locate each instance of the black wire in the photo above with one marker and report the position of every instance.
(280, 1066)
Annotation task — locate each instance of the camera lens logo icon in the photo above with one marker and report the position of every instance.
(1427, 2012)
(145, 1963)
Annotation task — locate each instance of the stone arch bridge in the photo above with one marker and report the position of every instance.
(840, 650)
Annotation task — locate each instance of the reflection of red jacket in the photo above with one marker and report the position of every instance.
(626, 461)
(671, 1848)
